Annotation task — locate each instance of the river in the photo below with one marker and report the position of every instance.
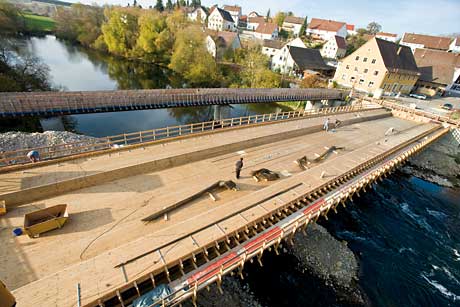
(405, 231)
(73, 68)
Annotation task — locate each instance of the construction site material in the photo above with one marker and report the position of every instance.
(304, 163)
(2, 207)
(6, 298)
(229, 185)
(155, 295)
(44, 220)
(264, 174)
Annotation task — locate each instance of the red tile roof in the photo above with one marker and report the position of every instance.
(294, 20)
(350, 27)
(437, 66)
(386, 34)
(325, 25)
(430, 42)
(341, 43)
(232, 8)
(267, 28)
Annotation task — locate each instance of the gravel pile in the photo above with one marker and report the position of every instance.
(10, 141)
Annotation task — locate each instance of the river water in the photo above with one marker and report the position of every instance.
(405, 231)
(76, 69)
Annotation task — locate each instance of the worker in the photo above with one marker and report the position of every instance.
(239, 166)
(6, 298)
(337, 123)
(33, 156)
(326, 125)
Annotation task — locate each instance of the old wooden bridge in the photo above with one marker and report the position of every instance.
(107, 255)
(58, 103)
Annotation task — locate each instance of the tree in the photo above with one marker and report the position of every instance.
(356, 41)
(313, 81)
(256, 72)
(192, 60)
(135, 3)
(303, 29)
(267, 18)
(182, 3)
(11, 20)
(169, 5)
(279, 18)
(120, 31)
(155, 39)
(374, 28)
(159, 6)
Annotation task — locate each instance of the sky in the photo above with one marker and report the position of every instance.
(396, 16)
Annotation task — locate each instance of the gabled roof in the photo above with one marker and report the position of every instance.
(232, 8)
(457, 41)
(386, 34)
(294, 20)
(350, 27)
(259, 19)
(341, 42)
(225, 15)
(307, 59)
(397, 58)
(266, 28)
(429, 41)
(437, 66)
(325, 25)
(275, 44)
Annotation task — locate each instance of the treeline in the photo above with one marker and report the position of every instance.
(166, 38)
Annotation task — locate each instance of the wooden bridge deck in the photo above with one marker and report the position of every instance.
(55, 103)
(105, 230)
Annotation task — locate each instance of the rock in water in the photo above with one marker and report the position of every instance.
(320, 254)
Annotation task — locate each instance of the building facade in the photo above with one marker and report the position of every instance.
(266, 30)
(198, 14)
(335, 48)
(387, 36)
(326, 29)
(218, 43)
(379, 67)
(221, 20)
(235, 12)
(293, 25)
(455, 45)
(254, 22)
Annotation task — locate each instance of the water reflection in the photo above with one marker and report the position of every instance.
(74, 68)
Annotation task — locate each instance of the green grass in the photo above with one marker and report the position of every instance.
(35, 23)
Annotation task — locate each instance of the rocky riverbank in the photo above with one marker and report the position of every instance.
(439, 163)
(10, 141)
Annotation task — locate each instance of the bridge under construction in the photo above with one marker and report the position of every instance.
(170, 213)
(60, 103)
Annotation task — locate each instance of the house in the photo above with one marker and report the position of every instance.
(198, 14)
(266, 30)
(455, 45)
(377, 67)
(271, 47)
(415, 41)
(335, 48)
(283, 51)
(293, 25)
(253, 22)
(387, 36)
(326, 29)
(298, 60)
(253, 14)
(235, 11)
(351, 30)
(221, 20)
(440, 72)
(218, 43)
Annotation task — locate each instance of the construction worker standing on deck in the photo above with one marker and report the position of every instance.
(326, 125)
(238, 166)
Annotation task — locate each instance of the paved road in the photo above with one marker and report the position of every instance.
(431, 105)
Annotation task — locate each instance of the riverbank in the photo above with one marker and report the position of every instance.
(439, 163)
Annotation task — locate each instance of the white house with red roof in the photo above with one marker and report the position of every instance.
(455, 45)
(351, 30)
(266, 30)
(387, 36)
(326, 29)
(221, 20)
(335, 48)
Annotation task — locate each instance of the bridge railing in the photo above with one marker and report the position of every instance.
(126, 139)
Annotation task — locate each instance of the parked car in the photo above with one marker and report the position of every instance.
(418, 96)
(447, 106)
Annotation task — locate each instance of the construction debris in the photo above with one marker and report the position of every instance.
(304, 163)
(264, 174)
(229, 185)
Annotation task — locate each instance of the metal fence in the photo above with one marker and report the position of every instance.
(126, 139)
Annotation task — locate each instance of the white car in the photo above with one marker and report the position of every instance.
(418, 96)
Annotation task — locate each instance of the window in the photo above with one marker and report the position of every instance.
(376, 73)
(356, 69)
(344, 76)
(357, 58)
(365, 60)
(352, 79)
(366, 70)
(361, 81)
(373, 61)
(371, 84)
(348, 67)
